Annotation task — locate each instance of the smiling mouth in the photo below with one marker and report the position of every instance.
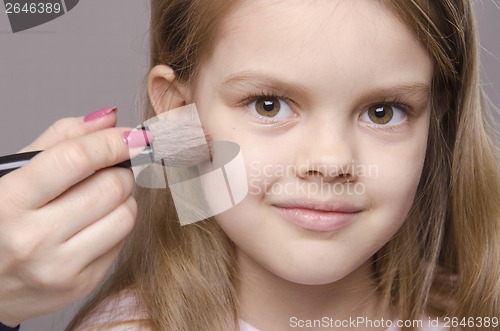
(318, 216)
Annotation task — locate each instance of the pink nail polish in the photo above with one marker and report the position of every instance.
(99, 114)
(139, 138)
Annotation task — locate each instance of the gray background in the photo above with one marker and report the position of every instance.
(96, 56)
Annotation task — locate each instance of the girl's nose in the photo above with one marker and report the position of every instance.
(328, 152)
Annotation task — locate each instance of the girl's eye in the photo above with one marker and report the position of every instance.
(383, 114)
(273, 107)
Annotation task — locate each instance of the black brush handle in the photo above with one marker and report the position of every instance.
(9, 163)
(12, 162)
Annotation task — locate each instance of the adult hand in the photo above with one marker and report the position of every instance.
(63, 216)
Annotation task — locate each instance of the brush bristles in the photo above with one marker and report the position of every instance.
(179, 143)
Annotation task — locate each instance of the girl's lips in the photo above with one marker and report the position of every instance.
(318, 216)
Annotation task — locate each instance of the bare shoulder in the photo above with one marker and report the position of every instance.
(122, 312)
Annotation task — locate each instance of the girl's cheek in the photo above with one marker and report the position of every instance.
(394, 177)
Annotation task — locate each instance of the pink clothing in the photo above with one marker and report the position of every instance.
(127, 307)
(244, 326)
(423, 328)
(122, 308)
(119, 309)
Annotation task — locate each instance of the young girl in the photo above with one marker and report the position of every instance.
(371, 166)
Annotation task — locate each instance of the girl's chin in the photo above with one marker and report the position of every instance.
(311, 280)
(317, 275)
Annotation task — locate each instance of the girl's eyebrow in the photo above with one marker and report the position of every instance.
(261, 81)
(418, 91)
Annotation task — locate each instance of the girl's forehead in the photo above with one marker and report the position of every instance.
(297, 39)
(281, 14)
(293, 23)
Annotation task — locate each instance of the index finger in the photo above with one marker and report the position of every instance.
(53, 171)
(69, 128)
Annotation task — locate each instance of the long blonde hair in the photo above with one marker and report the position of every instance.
(445, 259)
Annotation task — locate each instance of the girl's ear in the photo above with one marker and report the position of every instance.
(164, 91)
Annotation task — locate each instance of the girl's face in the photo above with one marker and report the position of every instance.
(329, 101)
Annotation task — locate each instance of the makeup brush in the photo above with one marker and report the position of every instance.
(177, 143)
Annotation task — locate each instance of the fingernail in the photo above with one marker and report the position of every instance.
(139, 138)
(99, 114)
